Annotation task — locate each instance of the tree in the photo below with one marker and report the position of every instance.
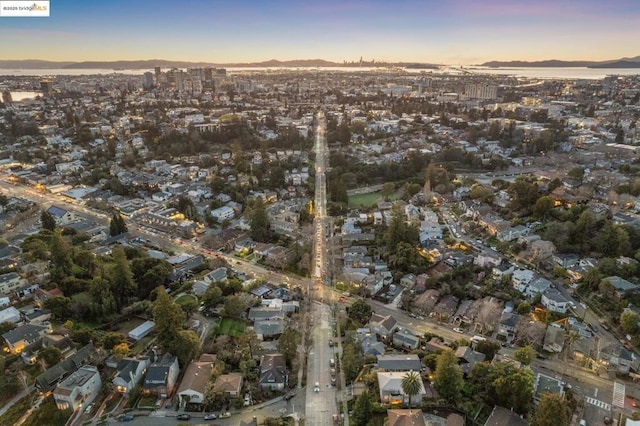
(259, 221)
(123, 286)
(47, 220)
(552, 411)
(167, 315)
(189, 307)
(185, 345)
(50, 355)
(542, 206)
(113, 338)
(524, 355)
(411, 385)
(117, 225)
(448, 376)
(60, 307)
(524, 308)
(288, 344)
(629, 321)
(388, 188)
(234, 306)
(490, 349)
(212, 297)
(61, 263)
(514, 388)
(362, 410)
(360, 312)
(121, 350)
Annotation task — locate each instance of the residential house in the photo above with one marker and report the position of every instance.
(554, 339)
(142, 330)
(279, 257)
(446, 308)
(259, 313)
(273, 372)
(229, 384)
(383, 326)
(537, 286)
(405, 418)
(194, 382)
(555, 301)
(30, 353)
(129, 372)
(502, 270)
(48, 380)
(394, 362)
(79, 389)
(10, 282)
(502, 417)
(24, 335)
(10, 314)
(161, 376)
(436, 345)
(511, 233)
(268, 329)
(390, 385)
(467, 358)
(406, 339)
(61, 216)
(217, 275)
(621, 287)
(546, 384)
(521, 279)
(370, 344)
(508, 324)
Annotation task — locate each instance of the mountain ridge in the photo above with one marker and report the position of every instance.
(633, 62)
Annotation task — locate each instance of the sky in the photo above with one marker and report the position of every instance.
(454, 32)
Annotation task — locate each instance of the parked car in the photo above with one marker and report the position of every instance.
(330, 343)
(288, 396)
(458, 330)
(316, 387)
(183, 416)
(125, 418)
(210, 416)
(224, 415)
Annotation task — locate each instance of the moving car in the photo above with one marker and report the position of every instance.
(125, 418)
(183, 416)
(458, 330)
(210, 416)
(316, 387)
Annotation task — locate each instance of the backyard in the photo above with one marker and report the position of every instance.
(230, 327)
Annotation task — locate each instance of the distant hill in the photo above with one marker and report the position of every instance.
(32, 64)
(151, 63)
(555, 63)
(551, 63)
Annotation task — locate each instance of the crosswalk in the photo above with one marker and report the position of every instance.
(598, 403)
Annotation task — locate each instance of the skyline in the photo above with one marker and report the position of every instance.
(452, 32)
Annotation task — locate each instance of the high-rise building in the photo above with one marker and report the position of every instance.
(46, 86)
(481, 91)
(6, 96)
(147, 80)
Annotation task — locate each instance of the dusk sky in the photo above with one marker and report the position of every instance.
(224, 31)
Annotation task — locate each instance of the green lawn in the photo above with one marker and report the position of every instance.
(185, 298)
(231, 327)
(369, 199)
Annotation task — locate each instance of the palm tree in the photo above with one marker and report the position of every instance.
(411, 384)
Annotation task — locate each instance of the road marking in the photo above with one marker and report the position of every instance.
(598, 403)
(619, 393)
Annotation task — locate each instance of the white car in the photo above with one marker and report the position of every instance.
(458, 330)
(316, 387)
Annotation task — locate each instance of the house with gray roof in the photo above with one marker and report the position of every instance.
(384, 326)
(269, 329)
(129, 373)
(162, 375)
(273, 372)
(48, 380)
(406, 339)
(24, 335)
(399, 362)
(622, 288)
